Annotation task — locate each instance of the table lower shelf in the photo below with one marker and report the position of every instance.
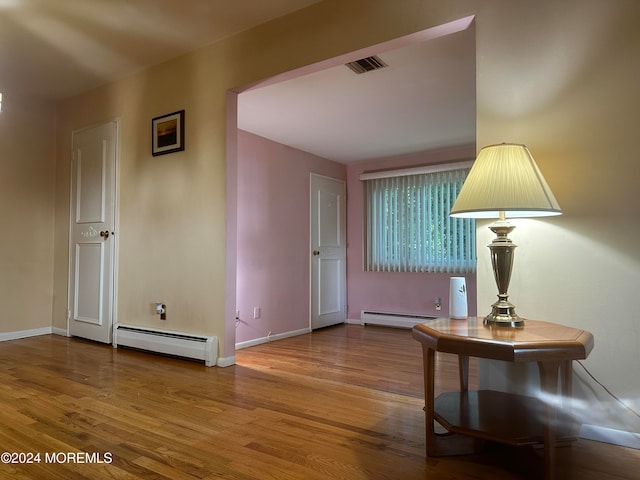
(499, 417)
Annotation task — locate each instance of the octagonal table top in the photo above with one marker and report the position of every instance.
(535, 341)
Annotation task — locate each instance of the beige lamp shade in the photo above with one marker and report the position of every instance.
(505, 178)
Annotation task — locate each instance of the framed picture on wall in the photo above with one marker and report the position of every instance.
(167, 133)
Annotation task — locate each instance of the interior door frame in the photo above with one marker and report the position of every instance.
(116, 196)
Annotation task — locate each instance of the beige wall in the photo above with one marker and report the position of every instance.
(26, 209)
(171, 231)
(559, 76)
(170, 228)
(563, 79)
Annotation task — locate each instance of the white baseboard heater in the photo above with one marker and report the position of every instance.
(185, 345)
(402, 320)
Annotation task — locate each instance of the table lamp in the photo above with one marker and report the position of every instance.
(504, 182)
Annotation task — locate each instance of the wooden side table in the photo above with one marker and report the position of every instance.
(498, 416)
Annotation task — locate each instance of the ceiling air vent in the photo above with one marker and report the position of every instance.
(366, 64)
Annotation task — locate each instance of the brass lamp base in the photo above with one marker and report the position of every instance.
(503, 312)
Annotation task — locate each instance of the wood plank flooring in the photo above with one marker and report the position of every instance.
(341, 403)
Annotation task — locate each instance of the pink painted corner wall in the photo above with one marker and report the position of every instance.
(273, 241)
(273, 235)
(411, 293)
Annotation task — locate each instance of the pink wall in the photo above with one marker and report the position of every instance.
(273, 240)
(273, 235)
(395, 292)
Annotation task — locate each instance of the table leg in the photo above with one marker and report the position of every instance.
(549, 385)
(567, 427)
(463, 366)
(428, 358)
(446, 443)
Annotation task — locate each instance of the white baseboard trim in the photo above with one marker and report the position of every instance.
(25, 333)
(271, 338)
(226, 361)
(610, 435)
(354, 321)
(59, 331)
(390, 319)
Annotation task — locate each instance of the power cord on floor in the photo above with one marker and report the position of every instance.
(617, 399)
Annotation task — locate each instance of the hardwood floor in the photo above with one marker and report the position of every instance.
(342, 403)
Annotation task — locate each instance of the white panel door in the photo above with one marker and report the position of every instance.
(92, 246)
(328, 252)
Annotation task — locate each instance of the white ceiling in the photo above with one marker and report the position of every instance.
(425, 99)
(59, 48)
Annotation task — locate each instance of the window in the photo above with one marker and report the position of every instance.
(408, 227)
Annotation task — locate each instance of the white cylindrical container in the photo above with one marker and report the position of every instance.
(458, 298)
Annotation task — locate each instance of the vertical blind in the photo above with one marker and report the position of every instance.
(408, 227)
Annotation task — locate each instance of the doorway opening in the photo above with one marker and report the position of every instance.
(299, 149)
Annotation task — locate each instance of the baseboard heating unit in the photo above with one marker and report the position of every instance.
(185, 345)
(402, 320)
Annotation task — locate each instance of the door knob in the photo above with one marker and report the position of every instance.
(104, 234)
(316, 252)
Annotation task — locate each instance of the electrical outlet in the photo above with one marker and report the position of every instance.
(438, 303)
(256, 313)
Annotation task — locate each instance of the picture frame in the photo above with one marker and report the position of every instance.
(167, 133)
